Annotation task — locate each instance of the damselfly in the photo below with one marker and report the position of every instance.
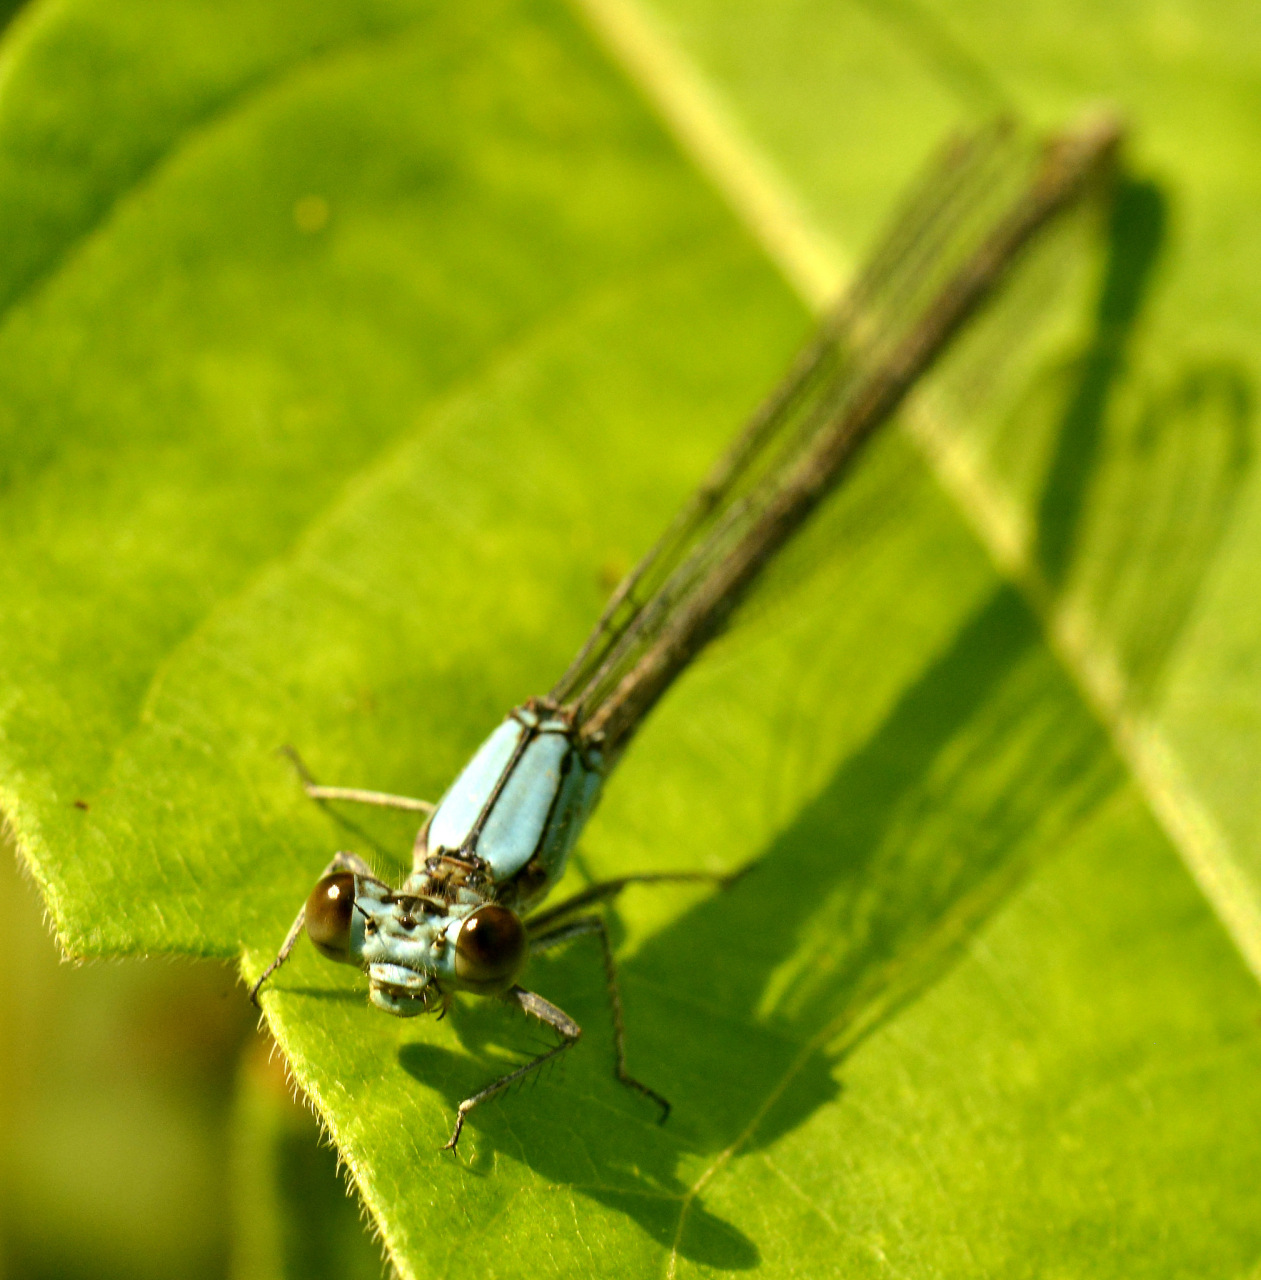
(496, 842)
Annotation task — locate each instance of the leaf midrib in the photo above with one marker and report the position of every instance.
(705, 128)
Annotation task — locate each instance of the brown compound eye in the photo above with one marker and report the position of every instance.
(490, 949)
(328, 913)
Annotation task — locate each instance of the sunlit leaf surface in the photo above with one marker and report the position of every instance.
(350, 352)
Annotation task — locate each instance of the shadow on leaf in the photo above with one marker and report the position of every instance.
(1138, 496)
(1136, 235)
(741, 1011)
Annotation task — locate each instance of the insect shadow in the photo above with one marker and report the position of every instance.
(759, 993)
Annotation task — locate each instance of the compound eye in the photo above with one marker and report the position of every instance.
(328, 913)
(490, 949)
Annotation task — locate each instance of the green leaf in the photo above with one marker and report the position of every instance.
(331, 401)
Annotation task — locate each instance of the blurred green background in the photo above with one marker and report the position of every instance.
(118, 1093)
(148, 1127)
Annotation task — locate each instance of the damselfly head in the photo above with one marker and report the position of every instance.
(355, 920)
(414, 966)
(415, 948)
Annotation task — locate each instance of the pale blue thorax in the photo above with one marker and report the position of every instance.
(540, 807)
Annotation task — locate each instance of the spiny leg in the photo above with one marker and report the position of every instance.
(544, 1011)
(594, 924)
(356, 795)
(340, 862)
(545, 933)
(543, 922)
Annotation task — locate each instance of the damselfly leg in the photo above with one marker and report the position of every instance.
(595, 924)
(533, 1004)
(553, 928)
(604, 890)
(355, 795)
